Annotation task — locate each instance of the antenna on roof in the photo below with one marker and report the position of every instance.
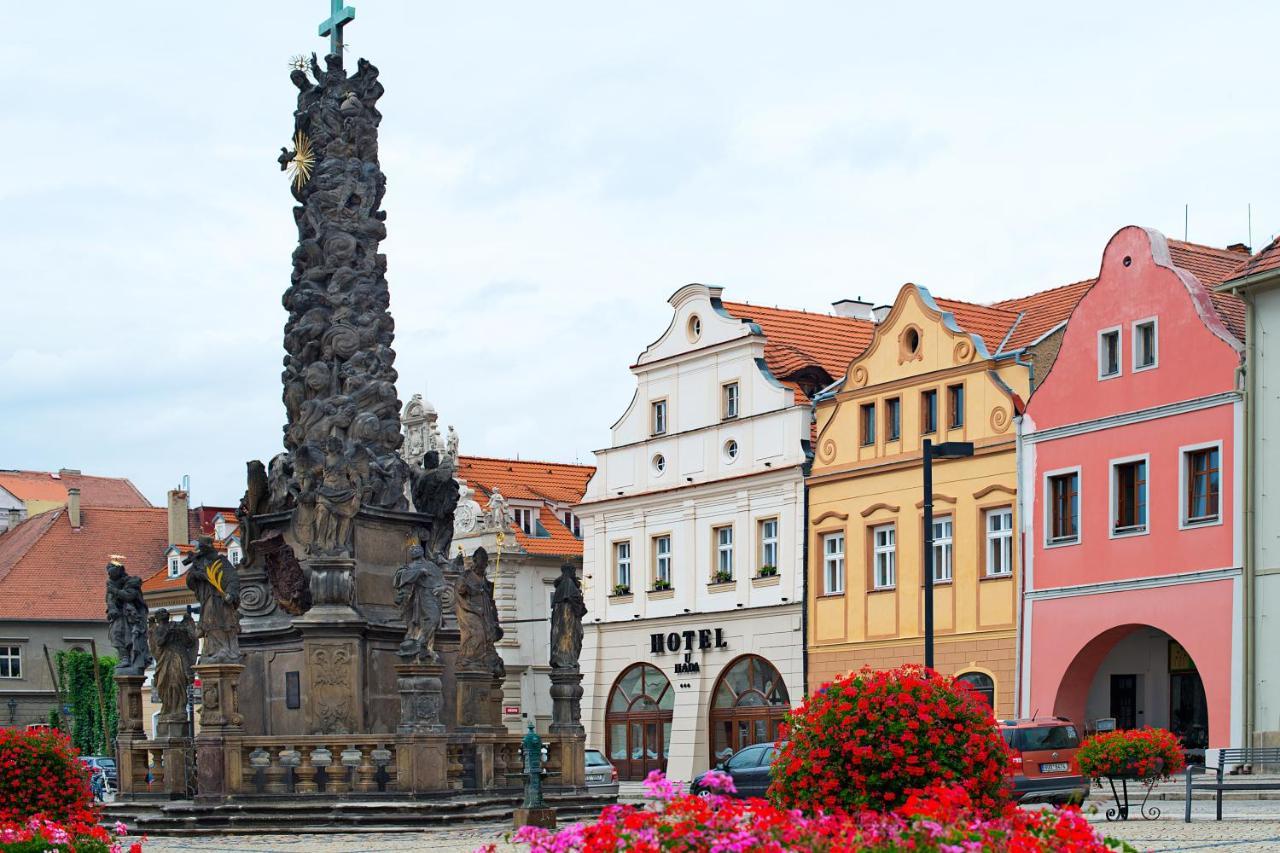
(1249, 208)
(186, 483)
(1186, 220)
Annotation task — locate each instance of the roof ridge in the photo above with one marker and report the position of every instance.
(829, 315)
(462, 456)
(989, 306)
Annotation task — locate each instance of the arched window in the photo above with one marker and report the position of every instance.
(638, 721)
(982, 684)
(748, 703)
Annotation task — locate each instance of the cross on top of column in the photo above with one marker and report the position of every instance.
(339, 16)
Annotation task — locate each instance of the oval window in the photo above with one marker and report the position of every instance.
(913, 340)
(659, 463)
(695, 327)
(731, 450)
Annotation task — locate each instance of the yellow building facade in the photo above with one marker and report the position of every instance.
(935, 369)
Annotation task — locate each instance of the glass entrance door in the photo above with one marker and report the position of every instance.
(638, 722)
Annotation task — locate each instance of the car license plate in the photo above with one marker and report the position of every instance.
(1058, 767)
(595, 778)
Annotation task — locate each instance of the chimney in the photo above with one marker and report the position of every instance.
(1239, 249)
(15, 517)
(73, 507)
(178, 532)
(857, 309)
(880, 312)
(63, 472)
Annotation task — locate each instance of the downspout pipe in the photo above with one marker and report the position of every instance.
(1250, 557)
(1019, 627)
(805, 470)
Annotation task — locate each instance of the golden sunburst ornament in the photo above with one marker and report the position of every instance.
(304, 159)
(298, 62)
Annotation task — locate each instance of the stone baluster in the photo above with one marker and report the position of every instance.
(259, 760)
(156, 762)
(386, 759)
(322, 757)
(455, 766)
(366, 772)
(138, 767)
(274, 775)
(305, 774)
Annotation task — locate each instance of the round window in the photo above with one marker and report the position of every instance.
(695, 327)
(659, 463)
(731, 450)
(913, 340)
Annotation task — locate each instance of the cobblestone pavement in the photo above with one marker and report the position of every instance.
(1251, 826)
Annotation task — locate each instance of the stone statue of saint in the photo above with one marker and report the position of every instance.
(497, 516)
(216, 583)
(174, 646)
(567, 610)
(127, 618)
(435, 494)
(477, 619)
(337, 499)
(419, 584)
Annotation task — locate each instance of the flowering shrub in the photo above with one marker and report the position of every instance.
(1136, 753)
(936, 820)
(80, 834)
(40, 775)
(870, 739)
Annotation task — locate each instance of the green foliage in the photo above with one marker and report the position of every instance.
(75, 675)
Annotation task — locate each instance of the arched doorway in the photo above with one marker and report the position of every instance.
(982, 684)
(638, 721)
(748, 703)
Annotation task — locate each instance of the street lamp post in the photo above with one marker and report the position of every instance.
(945, 450)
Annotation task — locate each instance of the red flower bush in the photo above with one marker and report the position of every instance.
(872, 738)
(77, 835)
(936, 820)
(40, 775)
(1144, 754)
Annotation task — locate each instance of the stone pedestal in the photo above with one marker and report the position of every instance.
(129, 707)
(543, 817)
(221, 725)
(421, 698)
(566, 702)
(479, 706)
(333, 590)
(172, 726)
(175, 765)
(422, 763)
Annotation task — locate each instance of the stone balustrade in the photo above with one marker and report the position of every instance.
(322, 764)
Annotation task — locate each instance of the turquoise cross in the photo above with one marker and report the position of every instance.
(339, 16)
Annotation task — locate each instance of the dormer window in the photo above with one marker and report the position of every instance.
(524, 519)
(1145, 353)
(659, 420)
(572, 523)
(1108, 353)
(175, 566)
(234, 555)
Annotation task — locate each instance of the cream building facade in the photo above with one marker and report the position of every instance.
(692, 535)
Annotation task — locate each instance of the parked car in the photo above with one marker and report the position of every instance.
(749, 768)
(106, 764)
(602, 776)
(1043, 767)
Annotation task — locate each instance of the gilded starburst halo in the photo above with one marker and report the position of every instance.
(298, 62)
(304, 159)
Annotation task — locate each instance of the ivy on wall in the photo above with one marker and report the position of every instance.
(80, 693)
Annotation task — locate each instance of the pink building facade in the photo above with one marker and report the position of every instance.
(1129, 460)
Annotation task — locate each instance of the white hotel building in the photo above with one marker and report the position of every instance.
(693, 533)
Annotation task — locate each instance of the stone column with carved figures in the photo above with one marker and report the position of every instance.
(221, 727)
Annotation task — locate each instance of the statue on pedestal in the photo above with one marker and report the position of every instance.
(419, 585)
(174, 646)
(567, 609)
(216, 583)
(478, 619)
(127, 618)
(435, 494)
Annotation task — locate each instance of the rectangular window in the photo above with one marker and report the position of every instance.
(955, 406)
(10, 661)
(731, 400)
(573, 524)
(1108, 353)
(1202, 479)
(832, 563)
(884, 556)
(893, 419)
(1129, 480)
(1064, 508)
(662, 559)
(175, 567)
(769, 543)
(928, 412)
(942, 536)
(622, 567)
(999, 541)
(659, 417)
(724, 554)
(867, 423)
(1144, 345)
(523, 517)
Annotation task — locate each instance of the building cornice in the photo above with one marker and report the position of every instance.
(1136, 417)
(1133, 584)
(667, 436)
(981, 447)
(702, 484)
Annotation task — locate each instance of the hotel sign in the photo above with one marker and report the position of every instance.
(686, 641)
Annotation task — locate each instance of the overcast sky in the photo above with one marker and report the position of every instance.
(555, 172)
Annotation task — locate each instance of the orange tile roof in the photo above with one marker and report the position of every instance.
(1265, 261)
(52, 572)
(1042, 311)
(795, 340)
(161, 582)
(1232, 311)
(558, 482)
(989, 322)
(561, 541)
(50, 486)
(1207, 263)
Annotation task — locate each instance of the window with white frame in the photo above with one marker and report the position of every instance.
(524, 519)
(884, 556)
(942, 538)
(175, 566)
(622, 566)
(769, 543)
(573, 524)
(1129, 496)
(659, 417)
(731, 400)
(234, 555)
(1108, 353)
(1063, 507)
(662, 559)
(1145, 347)
(724, 554)
(832, 563)
(999, 541)
(10, 661)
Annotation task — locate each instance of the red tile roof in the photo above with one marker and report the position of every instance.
(795, 340)
(49, 571)
(989, 322)
(561, 540)
(1211, 265)
(553, 482)
(50, 486)
(1265, 261)
(1042, 311)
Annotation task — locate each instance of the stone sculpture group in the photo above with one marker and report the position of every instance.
(127, 618)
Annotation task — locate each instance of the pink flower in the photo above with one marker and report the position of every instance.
(120, 828)
(719, 781)
(658, 787)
